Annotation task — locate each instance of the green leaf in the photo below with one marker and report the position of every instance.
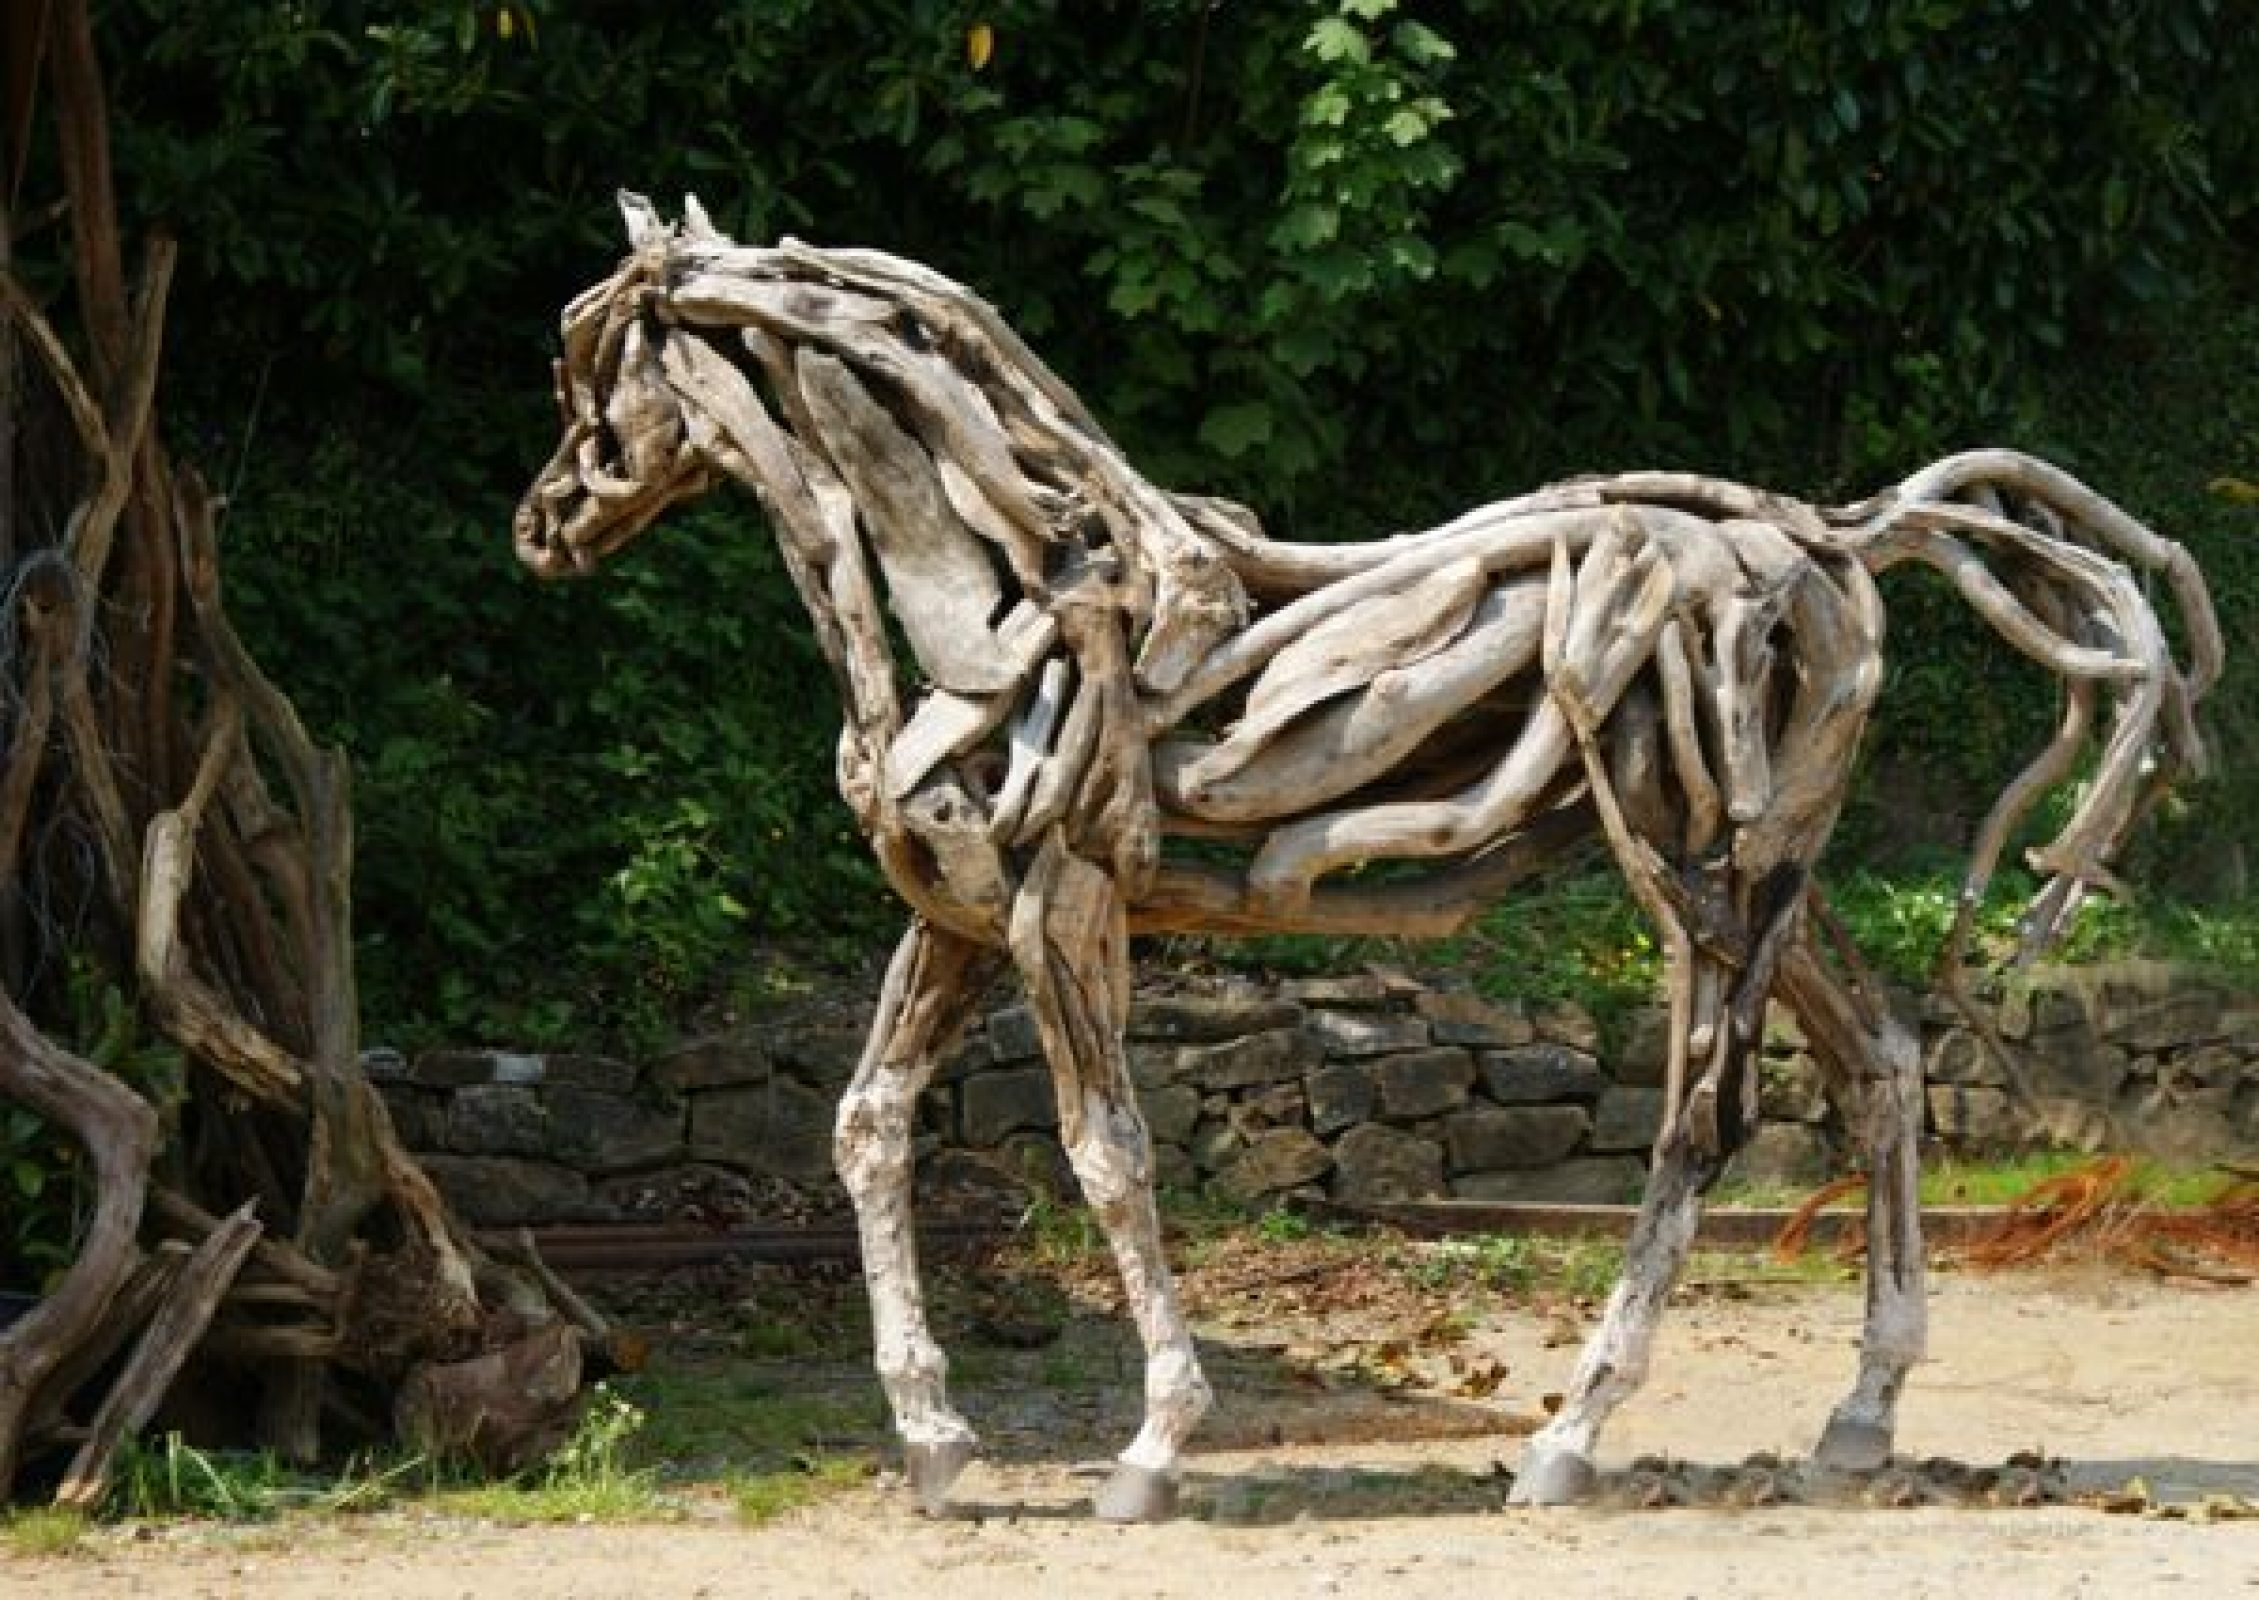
(1421, 45)
(1406, 127)
(1232, 431)
(1306, 225)
(1332, 41)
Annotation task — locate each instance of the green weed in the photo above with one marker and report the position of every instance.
(170, 1477)
(1519, 1264)
(588, 1478)
(763, 1497)
(43, 1531)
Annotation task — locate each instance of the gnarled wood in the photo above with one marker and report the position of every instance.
(135, 777)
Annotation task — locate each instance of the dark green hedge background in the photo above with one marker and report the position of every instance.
(1361, 263)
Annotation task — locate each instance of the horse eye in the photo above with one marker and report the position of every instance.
(913, 331)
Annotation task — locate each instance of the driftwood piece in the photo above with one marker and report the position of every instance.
(1346, 652)
(1222, 732)
(1367, 735)
(118, 1130)
(942, 584)
(500, 1411)
(1028, 750)
(172, 1333)
(947, 723)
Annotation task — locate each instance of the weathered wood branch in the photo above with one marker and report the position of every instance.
(118, 1130)
(181, 1318)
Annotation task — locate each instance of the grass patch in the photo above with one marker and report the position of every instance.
(43, 1531)
(765, 1496)
(589, 1478)
(702, 1418)
(1513, 1263)
(633, 1499)
(170, 1478)
(2003, 1180)
(1995, 1183)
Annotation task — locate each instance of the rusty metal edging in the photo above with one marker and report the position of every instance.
(615, 1249)
(1735, 1227)
(601, 1249)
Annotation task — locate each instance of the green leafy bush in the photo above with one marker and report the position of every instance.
(1357, 262)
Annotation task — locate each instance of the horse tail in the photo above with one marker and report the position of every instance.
(2066, 577)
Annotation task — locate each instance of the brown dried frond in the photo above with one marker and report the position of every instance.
(1796, 1233)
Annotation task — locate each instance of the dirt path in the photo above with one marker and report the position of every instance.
(2117, 1378)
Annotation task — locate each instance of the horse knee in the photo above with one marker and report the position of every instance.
(1111, 1154)
(870, 1136)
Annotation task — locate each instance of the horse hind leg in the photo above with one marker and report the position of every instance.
(1722, 1013)
(1556, 1466)
(931, 985)
(1070, 940)
(1875, 1071)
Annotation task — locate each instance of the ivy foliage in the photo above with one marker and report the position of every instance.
(1360, 262)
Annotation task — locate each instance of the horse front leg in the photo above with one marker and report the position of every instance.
(1875, 1071)
(1070, 940)
(934, 980)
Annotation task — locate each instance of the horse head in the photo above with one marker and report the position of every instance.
(626, 452)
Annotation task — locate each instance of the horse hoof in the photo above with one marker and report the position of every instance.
(932, 1468)
(1553, 1478)
(1850, 1444)
(1136, 1494)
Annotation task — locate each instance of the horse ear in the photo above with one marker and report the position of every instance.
(642, 218)
(696, 224)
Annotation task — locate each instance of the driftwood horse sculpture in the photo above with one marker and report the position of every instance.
(1127, 710)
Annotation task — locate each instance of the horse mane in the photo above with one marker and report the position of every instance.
(1031, 483)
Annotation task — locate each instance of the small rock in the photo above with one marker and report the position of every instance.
(719, 1061)
(1566, 1022)
(1340, 1094)
(1193, 1019)
(1345, 989)
(1536, 1073)
(1628, 1117)
(493, 1119)
(1422, 1083)
(1790, 1155)
(1483, 1138)
(1378, 1165)
(1592, 1180)
(1013, 1036)
(1271, 1057)
(602, 1133)
(1645, 1052)
(1171, 1113)
(778, 1129)
(1277, 1160)
(1350, 1033)
(1469, 1019)
(995, 1104)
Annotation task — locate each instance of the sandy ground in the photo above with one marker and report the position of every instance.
(2117, 1378)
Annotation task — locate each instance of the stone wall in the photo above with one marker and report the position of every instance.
(1363, 1088)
